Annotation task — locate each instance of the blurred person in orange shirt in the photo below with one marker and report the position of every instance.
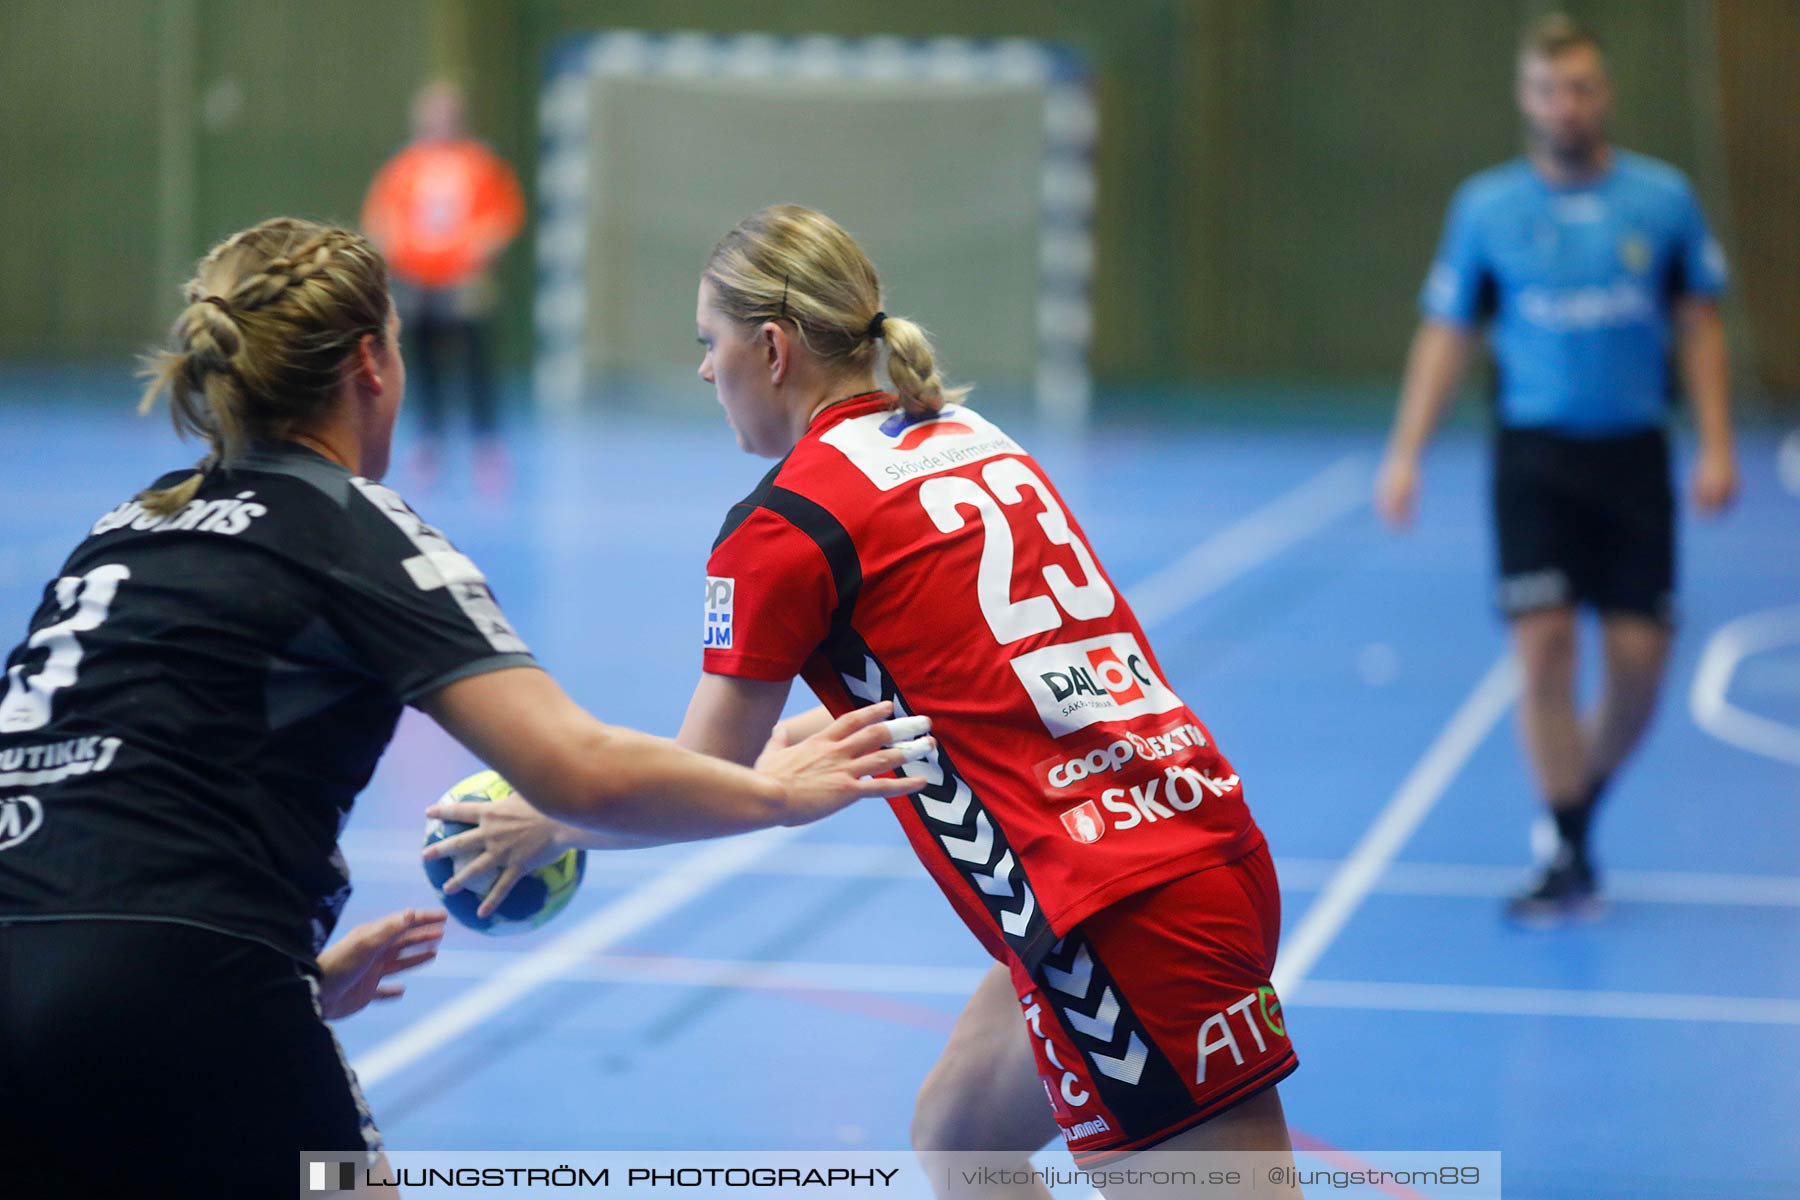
(441, 211)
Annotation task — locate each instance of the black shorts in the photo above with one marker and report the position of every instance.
(145, 1058)
(1587, 521)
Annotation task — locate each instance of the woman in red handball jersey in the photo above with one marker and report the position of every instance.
(1076, 813)
(203, 693)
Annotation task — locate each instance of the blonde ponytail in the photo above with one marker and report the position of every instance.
(203, 395)
(161, 502)
(273, 314)
(795, 264)
(912, 369)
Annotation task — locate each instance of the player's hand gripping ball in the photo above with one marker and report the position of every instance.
(535, 899)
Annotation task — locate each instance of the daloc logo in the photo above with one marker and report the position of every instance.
(1078, 684)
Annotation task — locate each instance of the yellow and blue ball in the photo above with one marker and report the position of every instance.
(535, 899)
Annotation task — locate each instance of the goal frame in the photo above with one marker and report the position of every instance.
(1066, 184)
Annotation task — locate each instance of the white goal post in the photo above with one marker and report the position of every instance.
(965, 168)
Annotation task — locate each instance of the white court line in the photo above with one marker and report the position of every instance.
(1453, 880)
(1548, 1002)
(384, 855)
(525, 973)
(883, 979)
(1251, 541)
(748, 974)
(1410, 804)
(1240, 547)
(1725, 651)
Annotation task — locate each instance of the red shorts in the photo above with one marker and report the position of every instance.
(1156, 1013)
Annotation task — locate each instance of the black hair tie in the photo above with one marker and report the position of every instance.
(875, 324)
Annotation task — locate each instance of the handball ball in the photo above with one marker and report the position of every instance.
(534, 899)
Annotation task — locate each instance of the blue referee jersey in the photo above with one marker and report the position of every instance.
(1579, 286)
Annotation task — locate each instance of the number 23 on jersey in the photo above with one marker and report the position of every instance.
(1006, 480)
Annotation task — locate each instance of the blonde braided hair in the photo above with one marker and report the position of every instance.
(273, 314)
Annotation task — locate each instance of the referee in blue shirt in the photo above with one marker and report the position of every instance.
(1592, 270)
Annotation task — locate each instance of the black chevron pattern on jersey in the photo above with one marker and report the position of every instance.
(1136, 1080)
(954, 814)
(965, 832)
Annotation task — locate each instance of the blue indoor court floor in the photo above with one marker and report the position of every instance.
(789, 990)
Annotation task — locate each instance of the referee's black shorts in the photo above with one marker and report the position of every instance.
(142, 1058)
(1585, 521)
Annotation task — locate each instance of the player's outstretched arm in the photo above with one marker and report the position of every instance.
(728, 719)
(1434, 369)
(739, 719)
(798, 728)
(731, 718)
(577, 769)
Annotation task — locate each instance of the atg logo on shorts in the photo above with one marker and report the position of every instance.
(1098, 679)
(1217, 1033)
(719, 593)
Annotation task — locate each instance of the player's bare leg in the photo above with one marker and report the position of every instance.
(1636, 649)
(1554, 744)
(1257, 1125)
(1557, 749)
(983, 1103)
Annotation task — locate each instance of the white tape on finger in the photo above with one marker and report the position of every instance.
(907, 727)
(916, 749)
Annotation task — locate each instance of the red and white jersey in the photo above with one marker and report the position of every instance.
(931, 563)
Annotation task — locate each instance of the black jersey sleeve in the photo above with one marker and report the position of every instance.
(417, 611)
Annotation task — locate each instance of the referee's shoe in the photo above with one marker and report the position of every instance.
(1565, 890)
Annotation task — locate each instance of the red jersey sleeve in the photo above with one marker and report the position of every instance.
(770, 597)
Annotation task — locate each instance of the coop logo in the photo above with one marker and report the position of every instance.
(719, 594)
(1220, 1033)
(1110, 757)
(914, 432)
(1114, 756)
(20, 817)
(1099, 679)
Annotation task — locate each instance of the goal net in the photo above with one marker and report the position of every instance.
(964, 168)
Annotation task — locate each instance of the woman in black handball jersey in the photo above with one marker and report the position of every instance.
(201, 696)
